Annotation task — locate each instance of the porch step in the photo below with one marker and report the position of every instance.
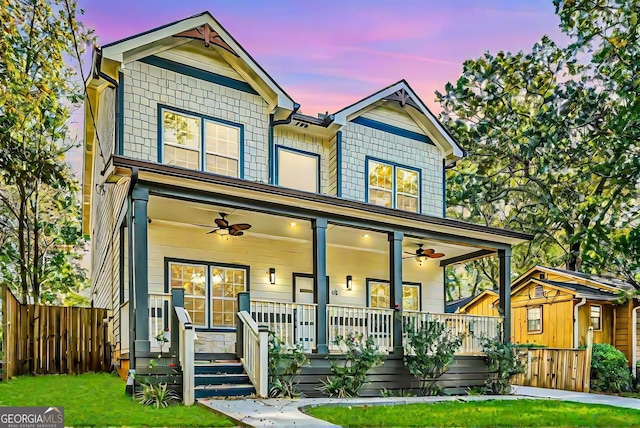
(221, 378)
(244, 390)
(203, 368)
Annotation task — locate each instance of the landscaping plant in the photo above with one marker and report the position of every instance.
(609, 369)
(284, 366)
(503, 363)
(430, 354)
(348, 378)
(156, 395)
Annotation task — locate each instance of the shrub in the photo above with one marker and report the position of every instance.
(503, 363)
(361, 356)
(284, 366)
(158, 396)
(609, 369)
(432, 349)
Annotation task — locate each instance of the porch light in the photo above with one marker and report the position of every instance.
(272, 275)
(222, 232)
(349, 282)
(292, 224)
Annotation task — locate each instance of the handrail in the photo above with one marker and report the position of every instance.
(187, 338)
(255, 350)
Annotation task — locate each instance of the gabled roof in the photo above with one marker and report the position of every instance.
(582, 291)
(414, 107)
(579, 284)
(461, 304)
(160, 38)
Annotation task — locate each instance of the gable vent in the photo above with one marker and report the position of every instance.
(543, 275)
(538, 291)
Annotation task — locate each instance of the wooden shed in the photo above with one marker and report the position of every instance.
(555, 308)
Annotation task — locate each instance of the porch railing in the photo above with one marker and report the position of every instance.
(470, 327)
(255, 352)
(187, 337)
(374, 322)
(293, 323)
(159, 304)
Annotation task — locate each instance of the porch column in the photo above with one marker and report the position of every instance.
(505, 290)
(140, 200)
(244, 304)
(319, 226)
(177, 300)
(395, 275)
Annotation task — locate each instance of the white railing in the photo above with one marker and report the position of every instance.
(293, 323)
(159, 307)
(255, 352)
(470, 327)
(187, 337)
(375, 322)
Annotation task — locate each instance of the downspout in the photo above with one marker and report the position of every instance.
(576, 337)
(634, 337)
(445, 167)
(272, 146)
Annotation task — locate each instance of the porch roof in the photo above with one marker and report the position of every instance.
(346, 211)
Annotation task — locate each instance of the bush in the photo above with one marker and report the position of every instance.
(284, 366)
(361, 356)
(158, 396)
(433, 348)
(503, 363)
(609, 369)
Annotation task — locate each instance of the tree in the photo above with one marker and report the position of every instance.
(608, 32)
(543, 157)
(39, 210)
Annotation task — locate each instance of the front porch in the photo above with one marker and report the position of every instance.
(311, 267)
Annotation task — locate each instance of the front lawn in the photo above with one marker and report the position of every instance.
(99, 399)
(508, 413)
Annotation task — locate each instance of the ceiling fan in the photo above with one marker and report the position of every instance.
(224, 228)
(422, 253)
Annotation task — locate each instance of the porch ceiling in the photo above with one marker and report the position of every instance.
(267, 226)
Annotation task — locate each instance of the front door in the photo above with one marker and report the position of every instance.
(305, 311)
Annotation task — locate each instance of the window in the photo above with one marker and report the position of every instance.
(393, 186)
(201, 143)
(380, 297)
(595, 317)
(298, 170)
(226, 284)
(210, 292)
(534, 319)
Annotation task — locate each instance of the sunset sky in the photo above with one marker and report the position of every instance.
(328, 54)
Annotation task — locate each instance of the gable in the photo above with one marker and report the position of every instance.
(398, 109)
(195, 54)
(219, 44)
(536, 293)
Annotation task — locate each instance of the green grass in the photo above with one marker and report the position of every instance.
(98, 400)
(511, 413)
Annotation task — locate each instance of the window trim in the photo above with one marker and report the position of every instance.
(600, 317)
(394, 194)
(209, 265)
(541, 320)
(202, 150)
(368, 282)
(317, 156)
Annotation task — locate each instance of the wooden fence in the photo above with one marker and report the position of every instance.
(568, 369)
(39, 339)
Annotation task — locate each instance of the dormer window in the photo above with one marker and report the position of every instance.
(393, 186)
(201, 143)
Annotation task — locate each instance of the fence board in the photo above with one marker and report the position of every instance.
(40, 339)
(567, 369)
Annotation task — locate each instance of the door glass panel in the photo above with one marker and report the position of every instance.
(379, 295)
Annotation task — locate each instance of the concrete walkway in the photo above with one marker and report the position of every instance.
(286, 413)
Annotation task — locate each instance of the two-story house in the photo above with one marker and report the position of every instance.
(203, 180)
